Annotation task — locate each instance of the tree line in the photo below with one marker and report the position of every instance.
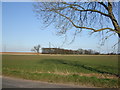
(37, 49)
(66, 51)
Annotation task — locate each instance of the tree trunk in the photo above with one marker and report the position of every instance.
(119, 35)
(113, 19)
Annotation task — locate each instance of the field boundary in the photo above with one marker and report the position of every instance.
(31, 53)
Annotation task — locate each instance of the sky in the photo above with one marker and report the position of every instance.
(21, 31)
(0, 26)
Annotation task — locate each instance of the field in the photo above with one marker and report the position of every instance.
(96, 71)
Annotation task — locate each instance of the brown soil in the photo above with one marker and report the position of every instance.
(19, 53)
(31, 53)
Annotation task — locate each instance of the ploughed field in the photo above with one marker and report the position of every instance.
(96, 71)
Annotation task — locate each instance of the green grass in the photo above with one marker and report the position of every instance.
(63, 69)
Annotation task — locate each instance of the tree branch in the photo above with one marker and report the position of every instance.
(73, 5)
(60, 8)
(103, 5)
(85, 10)
(84, 27)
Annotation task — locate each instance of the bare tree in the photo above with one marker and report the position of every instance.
(36, 49)
(99, 17)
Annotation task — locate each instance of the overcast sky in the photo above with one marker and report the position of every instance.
(21, 31)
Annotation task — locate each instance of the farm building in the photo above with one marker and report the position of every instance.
(58, 51)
